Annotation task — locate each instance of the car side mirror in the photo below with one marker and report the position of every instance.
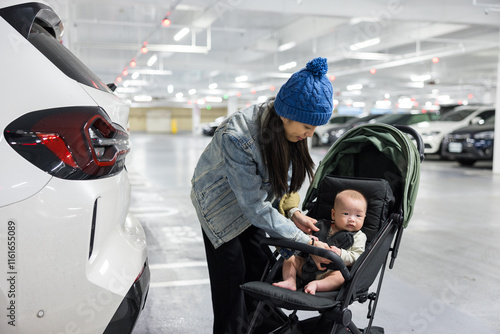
(477, 120)
(112, 86)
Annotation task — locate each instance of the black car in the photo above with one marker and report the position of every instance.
(471, 143)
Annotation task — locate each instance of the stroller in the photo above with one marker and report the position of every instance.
(383, 163)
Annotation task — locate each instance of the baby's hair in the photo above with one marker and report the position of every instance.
(351, 194)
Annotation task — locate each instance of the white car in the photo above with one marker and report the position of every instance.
(73, 259)
(321, 134)
(434, 132)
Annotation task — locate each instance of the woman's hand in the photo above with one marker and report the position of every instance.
(304, 223)
(320, 261)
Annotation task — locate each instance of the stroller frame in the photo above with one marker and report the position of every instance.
(335, 315)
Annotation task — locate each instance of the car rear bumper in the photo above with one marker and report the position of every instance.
(432, 144)
(481, 150)
(133, 303)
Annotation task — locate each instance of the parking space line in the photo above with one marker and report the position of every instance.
(178, 265)
(203, 281)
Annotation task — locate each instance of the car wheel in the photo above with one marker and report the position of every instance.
(315, 140)
(466, 162)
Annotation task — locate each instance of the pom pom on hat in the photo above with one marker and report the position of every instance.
(307, 97)
(318, 66)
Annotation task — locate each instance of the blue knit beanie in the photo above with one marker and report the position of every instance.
(307, 97)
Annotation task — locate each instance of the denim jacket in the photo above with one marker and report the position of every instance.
(230, 186)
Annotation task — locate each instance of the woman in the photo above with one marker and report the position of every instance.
(242, 171)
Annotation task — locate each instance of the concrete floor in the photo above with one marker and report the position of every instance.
(444, 280)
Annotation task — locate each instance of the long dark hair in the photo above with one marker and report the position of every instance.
(280, 153)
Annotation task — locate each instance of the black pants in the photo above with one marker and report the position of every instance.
(233, 263)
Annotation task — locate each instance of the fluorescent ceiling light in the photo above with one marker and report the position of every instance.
(416, 84)
(128, 83)
(351, 93)
(383, 104)
(365, 44)
(356, 20)
(213, 99)
(192, 91)
(152, 60)
(286, 46)
(355, 87)
(179, 95)
(358, 104)
(127, 90)
(213, 85)
(180, 35)
(420, 78)
(241, 78)
(143, 98)
(287, 66)
(135, 75)
(170, 89)
(369, 56)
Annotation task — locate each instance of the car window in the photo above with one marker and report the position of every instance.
(61, 57)
(339, 119)
(392, 118)
(434, 116)
(418, 118)
(490, 120)
(486, 114)
(458, 115)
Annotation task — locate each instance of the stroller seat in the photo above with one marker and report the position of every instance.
(380, 199)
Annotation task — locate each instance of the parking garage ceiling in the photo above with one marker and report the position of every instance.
(444, 51)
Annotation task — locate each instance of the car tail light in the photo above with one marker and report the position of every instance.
(72, 143)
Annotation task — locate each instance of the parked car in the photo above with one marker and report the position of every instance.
(208, 129)
(74, 260)
(434, 133)
(471, 143)
(336, 132)
(393, 119)
(408, 118)
(320, 136)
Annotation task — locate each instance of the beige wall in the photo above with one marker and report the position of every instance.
(162, 119)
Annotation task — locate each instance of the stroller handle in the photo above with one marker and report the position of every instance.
(418, 139)
(337, 263)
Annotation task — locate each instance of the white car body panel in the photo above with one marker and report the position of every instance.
(71, 289)
(434, 141)
(21, 179)
(117, 109)
(33, 79)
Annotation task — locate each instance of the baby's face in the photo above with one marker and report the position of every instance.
(349, 214)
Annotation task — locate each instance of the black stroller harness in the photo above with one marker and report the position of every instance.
(382, 163)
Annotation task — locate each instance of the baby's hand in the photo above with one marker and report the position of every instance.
(336, 250)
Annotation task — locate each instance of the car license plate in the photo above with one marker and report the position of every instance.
(455, 147)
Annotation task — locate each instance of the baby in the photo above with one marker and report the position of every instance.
(343, 235)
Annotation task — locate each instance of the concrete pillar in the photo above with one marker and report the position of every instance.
(196, 115)
(496, 148)
(232, 105)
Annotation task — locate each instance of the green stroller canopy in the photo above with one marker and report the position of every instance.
(374, 151)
